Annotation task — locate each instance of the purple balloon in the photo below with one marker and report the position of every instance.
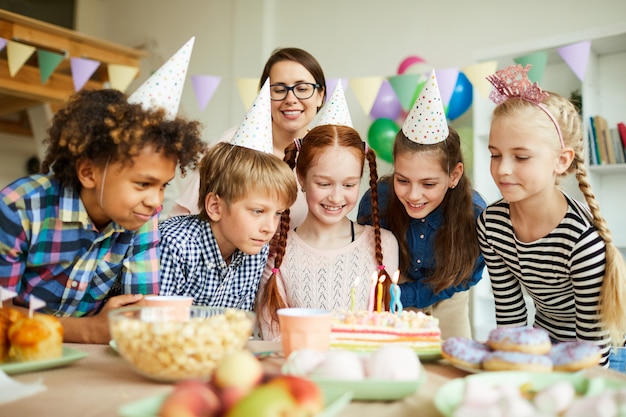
(386, 105)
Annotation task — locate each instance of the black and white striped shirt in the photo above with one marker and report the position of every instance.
(562, 272)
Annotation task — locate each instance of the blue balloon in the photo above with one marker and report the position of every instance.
(461, 99)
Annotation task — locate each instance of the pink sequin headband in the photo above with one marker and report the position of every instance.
(513, 82)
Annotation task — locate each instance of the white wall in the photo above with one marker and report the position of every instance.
(14, 153)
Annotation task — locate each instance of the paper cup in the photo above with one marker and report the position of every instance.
(304, 328)
(178, 306)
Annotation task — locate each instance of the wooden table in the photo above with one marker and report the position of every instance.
(99, 384)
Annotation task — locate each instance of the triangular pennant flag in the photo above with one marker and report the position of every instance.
(426, 123)
(164, 88)
(120, 76)
(366, 89)
(35, 303)
(577, 57)
(204, 86)
(335, 111)
(538, 62)
(255, 131)
(405, 87)
(386, 104)
(82, 70)
(3, 43)
(48, 61)
(477, 75)
(6, 294)
(17, 55)
(446, 78)
(248, 90)
(331, 83)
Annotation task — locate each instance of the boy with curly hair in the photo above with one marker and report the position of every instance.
(86, 229)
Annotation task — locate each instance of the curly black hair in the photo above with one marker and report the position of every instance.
(102, 126)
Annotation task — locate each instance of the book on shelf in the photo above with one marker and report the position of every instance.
(593, 144)
(609, 143)
(618, 145)
(621, 129)
(600, 125)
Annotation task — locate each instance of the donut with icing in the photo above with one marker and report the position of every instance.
(501, 360)
(464, 352)
(574, 356)
(520, 339)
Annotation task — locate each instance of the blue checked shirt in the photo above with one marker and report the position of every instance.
(192, 264)
(50, 248)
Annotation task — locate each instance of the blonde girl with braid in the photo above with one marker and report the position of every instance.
(328, 260)
(537, 237)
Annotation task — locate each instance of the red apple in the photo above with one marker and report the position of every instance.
(306, 393)
(191, 398)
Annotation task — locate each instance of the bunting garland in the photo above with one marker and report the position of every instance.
(204, 86)
(82, 70)
(405, 86)
(48, 62)
(17, 55)
(120, 76)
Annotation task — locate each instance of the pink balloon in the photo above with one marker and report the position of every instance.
(408, 61)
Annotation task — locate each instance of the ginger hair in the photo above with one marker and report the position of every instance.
(612, 306)
(319, 140)
(456, 243)
(100, 125)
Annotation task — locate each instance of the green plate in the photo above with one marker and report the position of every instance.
(450, 395)
(149, 407)
(373, 389)
(69, 356)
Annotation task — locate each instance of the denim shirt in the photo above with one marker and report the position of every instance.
(421, 239)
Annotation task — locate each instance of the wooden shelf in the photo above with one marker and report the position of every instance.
(25, 89)
(609, 169)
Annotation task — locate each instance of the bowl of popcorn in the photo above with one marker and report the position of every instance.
(160, 344)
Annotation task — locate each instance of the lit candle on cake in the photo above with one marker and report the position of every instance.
(379, 294)
(396, 304)
(374, 280)
(352, 291)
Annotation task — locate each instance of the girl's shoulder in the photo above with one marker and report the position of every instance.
(368, 232)
(478, 200)
(579, 212)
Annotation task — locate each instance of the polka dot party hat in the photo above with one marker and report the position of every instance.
(426, 123)
(335, 111)
(255, 131)
(165, 87)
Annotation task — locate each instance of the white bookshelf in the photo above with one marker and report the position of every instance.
(603, 92)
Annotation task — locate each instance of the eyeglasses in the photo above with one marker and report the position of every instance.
(302, 91)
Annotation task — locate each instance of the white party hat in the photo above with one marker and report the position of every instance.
(335, 111)
(255, 131)
(426, 123)
(165, 87)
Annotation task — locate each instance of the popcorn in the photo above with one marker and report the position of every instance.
(170, 350)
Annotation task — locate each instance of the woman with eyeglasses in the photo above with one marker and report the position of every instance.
(297, 90)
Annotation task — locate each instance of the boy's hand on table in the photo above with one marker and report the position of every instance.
(95, 329)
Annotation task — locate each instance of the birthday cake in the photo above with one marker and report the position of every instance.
(367, 331)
